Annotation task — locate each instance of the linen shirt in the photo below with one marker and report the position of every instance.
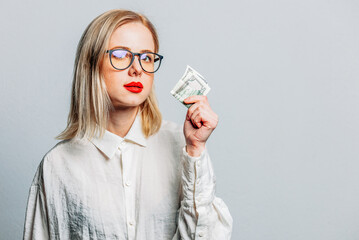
(126, 188)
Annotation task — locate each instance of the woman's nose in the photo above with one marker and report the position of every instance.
(135, 68)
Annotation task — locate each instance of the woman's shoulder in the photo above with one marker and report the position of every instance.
(61, 155)
(170, 127)
(66, 147)
(65, 152)
(170, 132)
(60, 158)
(39, 175)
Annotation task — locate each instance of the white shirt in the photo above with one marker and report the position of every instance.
(126, 188)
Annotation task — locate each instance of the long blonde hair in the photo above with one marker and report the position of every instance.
(90, 102)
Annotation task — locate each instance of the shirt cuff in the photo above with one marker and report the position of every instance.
(197, 179)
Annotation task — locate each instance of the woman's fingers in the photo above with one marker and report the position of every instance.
(200, 122)
(198, 101)
(197, 118)
(195, 98)
(201, 113)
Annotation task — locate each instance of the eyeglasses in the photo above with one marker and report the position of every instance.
(122, 58)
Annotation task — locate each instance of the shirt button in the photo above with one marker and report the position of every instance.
(198, 163)
(200, 234)
(128, 183)
(198, 199)
(132, 223)
(197, 181)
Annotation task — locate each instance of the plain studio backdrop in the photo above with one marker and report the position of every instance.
(284, 79)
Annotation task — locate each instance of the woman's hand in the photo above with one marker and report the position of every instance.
(199, 124)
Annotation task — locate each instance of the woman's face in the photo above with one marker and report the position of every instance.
(137, 38)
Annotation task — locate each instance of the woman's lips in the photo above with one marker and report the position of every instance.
(135, 87)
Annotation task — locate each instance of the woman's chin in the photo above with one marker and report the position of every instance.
(127, 105)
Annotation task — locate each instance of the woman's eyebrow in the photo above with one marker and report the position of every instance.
(129, 49)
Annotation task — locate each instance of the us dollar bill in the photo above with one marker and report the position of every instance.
(191, 83)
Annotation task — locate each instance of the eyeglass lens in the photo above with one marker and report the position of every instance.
(121, 59)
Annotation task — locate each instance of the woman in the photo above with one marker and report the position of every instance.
(120, 172)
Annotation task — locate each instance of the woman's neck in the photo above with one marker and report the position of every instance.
(121, 120)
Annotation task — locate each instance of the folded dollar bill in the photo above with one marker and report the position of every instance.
(191, 83)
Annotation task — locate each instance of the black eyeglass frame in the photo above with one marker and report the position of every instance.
(133, 57)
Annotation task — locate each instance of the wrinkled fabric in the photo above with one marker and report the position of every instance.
(126, 188)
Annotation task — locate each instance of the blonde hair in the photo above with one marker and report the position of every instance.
(90, 102)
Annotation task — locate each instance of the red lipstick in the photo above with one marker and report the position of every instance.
(135, 87)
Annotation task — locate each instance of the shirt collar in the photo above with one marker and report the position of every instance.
(110, 142)
(135, 134)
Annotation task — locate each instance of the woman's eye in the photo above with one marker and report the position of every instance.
(120, 54)
(146, 58)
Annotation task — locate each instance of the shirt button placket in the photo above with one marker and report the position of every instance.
(128, 183)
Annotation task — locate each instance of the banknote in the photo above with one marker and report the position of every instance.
(191, 83)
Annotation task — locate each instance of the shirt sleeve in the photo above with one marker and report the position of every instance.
(202, 215)
(36, 223)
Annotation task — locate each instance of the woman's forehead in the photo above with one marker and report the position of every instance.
(134, 36)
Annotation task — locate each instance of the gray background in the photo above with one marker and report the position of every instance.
(284, 78)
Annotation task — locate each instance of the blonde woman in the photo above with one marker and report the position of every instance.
(120, 172)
